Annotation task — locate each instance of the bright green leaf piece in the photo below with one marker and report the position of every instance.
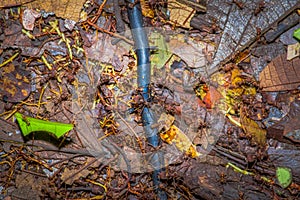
(297, 34)
(162, 54)
(29, 124)
(284, 176)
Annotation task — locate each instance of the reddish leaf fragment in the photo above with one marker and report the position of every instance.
(28, 18)
(280, 74)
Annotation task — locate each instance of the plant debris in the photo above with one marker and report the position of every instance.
(224, 100)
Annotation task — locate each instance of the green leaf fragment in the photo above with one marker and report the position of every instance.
(284, 176)
(29, 124)
(162, 54)
(297, 34)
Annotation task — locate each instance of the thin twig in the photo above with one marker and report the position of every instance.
(111, 33)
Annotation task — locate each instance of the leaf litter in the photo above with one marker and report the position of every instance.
(74, 78)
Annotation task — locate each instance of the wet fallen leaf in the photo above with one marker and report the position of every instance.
(281, 74)
(105, 48)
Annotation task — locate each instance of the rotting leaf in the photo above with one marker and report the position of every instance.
(29, 124)
(284, 176)
(15, 83)
(253, 130)
(280, 74)
(190, 51)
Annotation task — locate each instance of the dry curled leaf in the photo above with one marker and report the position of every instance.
(281, 74)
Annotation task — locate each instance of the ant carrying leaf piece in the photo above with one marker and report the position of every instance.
(29, 124)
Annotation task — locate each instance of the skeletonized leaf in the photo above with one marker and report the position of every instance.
(280, 74)
(241, 23)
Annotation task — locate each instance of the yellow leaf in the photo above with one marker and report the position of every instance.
(253, 130)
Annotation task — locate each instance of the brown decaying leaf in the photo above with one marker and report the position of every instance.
(280, 74)
(68, 175)
(68, 9)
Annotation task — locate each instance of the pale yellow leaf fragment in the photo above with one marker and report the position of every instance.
(180, 14)
(293, 51)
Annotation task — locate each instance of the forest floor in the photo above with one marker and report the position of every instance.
(224, 91)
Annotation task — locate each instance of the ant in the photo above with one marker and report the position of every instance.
(260, 7)
(239, 4)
